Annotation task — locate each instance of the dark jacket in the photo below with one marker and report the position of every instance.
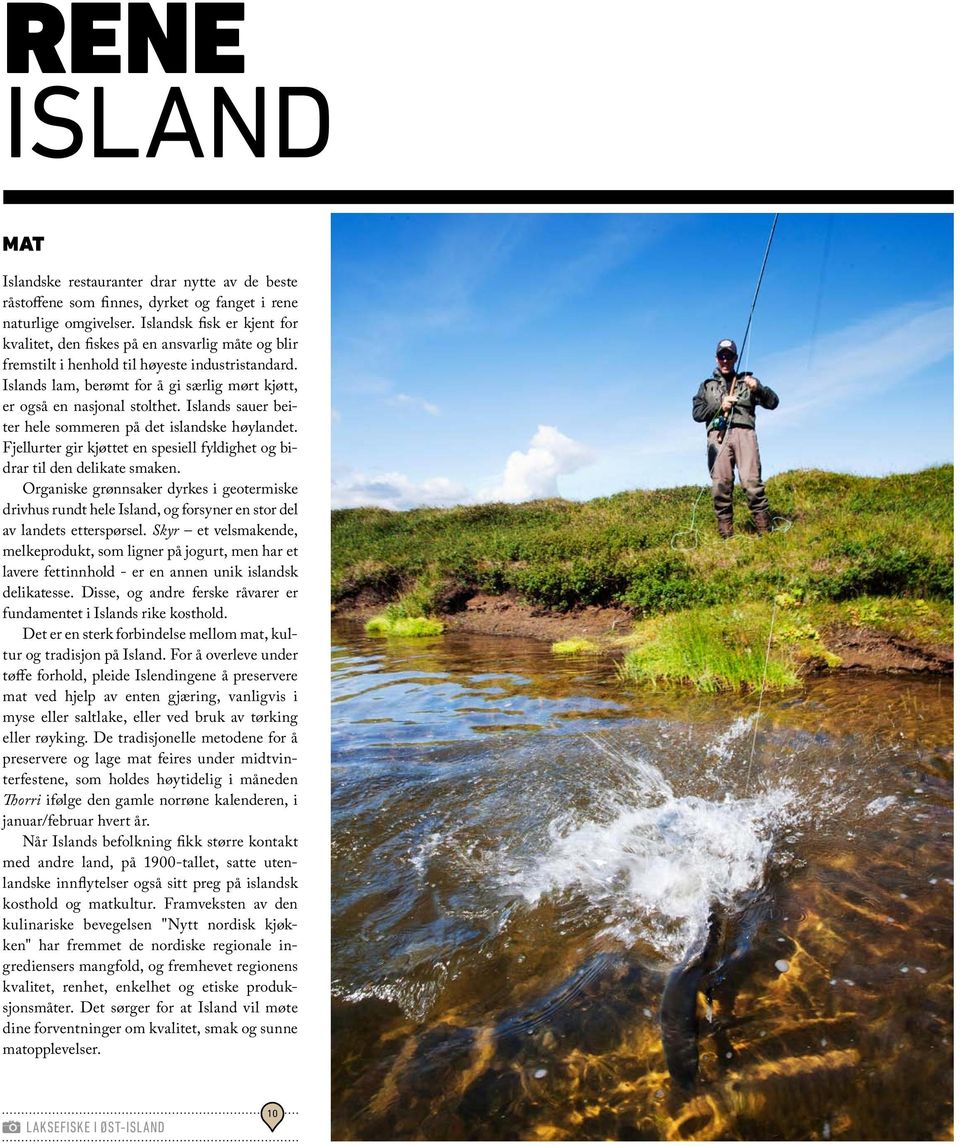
(706, 404)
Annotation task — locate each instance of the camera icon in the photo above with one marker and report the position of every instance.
(11, 1126)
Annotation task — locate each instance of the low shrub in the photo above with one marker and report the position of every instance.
(888, 572)
(664, 583)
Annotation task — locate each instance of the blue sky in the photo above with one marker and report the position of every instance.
(482, 357)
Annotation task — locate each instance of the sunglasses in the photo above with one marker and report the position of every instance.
(726, 356)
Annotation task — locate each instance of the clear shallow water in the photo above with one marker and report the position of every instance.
(522, 850)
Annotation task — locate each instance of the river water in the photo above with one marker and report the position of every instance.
(524, 849)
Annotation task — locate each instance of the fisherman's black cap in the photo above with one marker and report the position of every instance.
(727, 344)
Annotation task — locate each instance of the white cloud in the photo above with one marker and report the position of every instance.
(527, 475)
(354, 490)
(534, 474)
(376, 386)
(860, 361)
(563, 279)
(366, 384)
(411, 402)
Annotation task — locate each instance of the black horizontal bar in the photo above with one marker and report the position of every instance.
(497, 198)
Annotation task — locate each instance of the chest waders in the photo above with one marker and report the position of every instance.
(731, 446)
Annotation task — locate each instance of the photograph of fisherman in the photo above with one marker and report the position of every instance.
(727, 402)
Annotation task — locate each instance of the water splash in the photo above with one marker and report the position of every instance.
(595, 840)
(655, 864)
(722, 747)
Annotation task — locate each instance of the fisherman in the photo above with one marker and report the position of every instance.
(727, 403)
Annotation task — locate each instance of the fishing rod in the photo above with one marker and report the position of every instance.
(746, 334)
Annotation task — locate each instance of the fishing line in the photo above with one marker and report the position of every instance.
(763, 685)
(691, 528)
(823, 271)
(783, 524)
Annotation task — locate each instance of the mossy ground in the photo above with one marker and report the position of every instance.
(574, 647)
(383, 626)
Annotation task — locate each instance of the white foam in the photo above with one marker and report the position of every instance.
(880, 804)
(414, 998)
(658, 868)
(425, 850)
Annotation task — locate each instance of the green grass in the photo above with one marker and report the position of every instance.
(384, 626)
(712, 649)
(718, 648)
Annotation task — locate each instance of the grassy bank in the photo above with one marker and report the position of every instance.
(873, 542)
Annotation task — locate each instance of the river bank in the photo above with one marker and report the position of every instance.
(859, 575)
(857, 647)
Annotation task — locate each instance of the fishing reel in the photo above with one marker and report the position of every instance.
(719, 422)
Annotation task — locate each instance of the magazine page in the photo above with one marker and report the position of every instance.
(251, 246)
